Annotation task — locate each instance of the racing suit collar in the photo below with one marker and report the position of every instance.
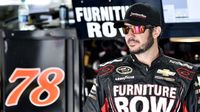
(134, 58)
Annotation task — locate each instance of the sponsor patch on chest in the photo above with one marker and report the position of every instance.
(124, 70)
(166, 72)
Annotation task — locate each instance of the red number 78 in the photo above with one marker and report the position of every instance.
(29, 74)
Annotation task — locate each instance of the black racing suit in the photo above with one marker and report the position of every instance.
(127, 85)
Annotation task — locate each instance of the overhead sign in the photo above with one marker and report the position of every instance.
(99, 20)
(95, 18)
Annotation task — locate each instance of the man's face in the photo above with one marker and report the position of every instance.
(139, 43)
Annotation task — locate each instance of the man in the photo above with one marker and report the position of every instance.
(146, 80)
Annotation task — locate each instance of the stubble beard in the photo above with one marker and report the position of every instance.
(144, 47)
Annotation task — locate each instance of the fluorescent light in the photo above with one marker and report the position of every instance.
(184, 39)
(39, 2)
(10, 2)
(30, 2)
